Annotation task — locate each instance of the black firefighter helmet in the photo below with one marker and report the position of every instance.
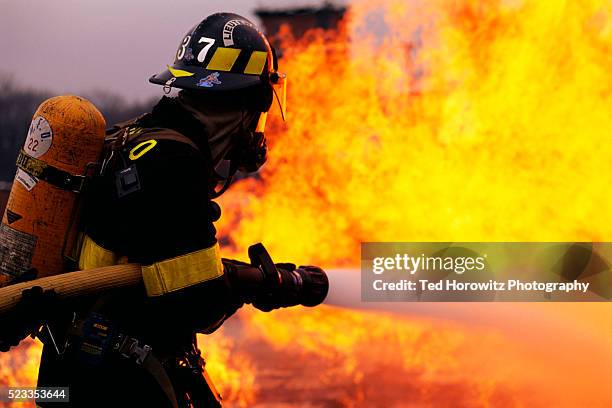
(224, 52)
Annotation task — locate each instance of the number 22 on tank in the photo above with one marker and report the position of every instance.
(40, 137)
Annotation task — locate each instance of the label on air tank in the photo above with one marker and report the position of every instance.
(16, 251)
(40, 137)
(29, 182)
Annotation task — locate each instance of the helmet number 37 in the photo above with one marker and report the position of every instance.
(202, 54)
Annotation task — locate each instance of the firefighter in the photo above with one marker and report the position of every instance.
(152, 204)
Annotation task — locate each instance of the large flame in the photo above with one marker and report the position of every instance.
(443, 120)
(426, 120)
(440, 120)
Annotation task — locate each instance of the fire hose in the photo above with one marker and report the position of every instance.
(73, 285)
(310, 286)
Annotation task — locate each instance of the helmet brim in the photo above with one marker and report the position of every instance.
(220, 80)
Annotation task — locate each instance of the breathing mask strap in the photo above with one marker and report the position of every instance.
(228, 181)
(233, 169)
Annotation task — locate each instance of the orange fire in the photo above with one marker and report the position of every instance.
(442, 121)
(439, 120)
(427, 121)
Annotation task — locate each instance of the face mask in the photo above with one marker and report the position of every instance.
(251, 152)
(227, 130)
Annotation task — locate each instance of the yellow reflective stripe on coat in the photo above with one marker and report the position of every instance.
(94, 256)
(182, 271)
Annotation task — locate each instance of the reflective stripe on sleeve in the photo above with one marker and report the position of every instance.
(94, 256)
(182, 271)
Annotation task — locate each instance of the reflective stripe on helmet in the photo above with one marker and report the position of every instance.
(179, 73)
(182, 271)
(256, 63)
(223, 59)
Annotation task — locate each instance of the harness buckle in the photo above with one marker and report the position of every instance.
(75, 183)
(128, 347)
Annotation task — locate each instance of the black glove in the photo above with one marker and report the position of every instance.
(35, 306)
(245, 280)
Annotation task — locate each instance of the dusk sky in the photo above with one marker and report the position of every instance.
(113, 45)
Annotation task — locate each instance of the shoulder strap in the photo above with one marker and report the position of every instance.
(117, 134)
(161, 134)
(129, 132)
(122, 125)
